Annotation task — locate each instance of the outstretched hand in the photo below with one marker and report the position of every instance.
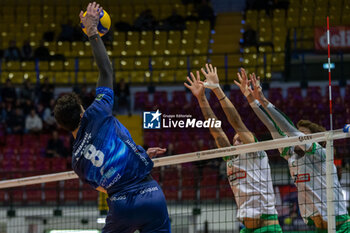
(257, 90)
(155, 151)
(211, 77)
(91, 18)
(243, 83)
(196, 85)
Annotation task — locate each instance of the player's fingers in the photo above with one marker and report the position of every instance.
(161, 150)
(215, 70)
(244, 74)
(239, 77)
(198, 76)
(189, 80)
(251, 91)
(188, 86)
(237, 83)
(207, 67)
(100, 10)
(193, 78)
(211, 68)
(203, 72)
(81, 15)
(97, 7)
(88, 7)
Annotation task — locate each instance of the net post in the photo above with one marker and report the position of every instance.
(330, 184)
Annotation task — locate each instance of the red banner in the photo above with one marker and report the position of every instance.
(339, 38)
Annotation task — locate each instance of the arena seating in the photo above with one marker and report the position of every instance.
(138, 57)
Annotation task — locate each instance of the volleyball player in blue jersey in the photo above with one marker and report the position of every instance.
(104, 154)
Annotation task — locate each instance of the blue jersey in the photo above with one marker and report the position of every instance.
(104, 153)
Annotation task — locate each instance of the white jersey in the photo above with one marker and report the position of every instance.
(309, 174)
(250, 179)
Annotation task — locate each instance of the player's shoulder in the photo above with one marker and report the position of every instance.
(102, 92)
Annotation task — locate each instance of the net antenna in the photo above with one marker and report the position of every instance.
(330, 148)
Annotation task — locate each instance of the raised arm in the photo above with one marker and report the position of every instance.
(281, 120)
(258, 109)
(90, 21)
(197, 89)
(212, 82)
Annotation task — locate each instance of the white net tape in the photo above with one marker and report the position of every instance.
(327, 136)
(196, 156)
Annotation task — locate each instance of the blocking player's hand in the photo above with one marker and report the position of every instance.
(257, 90)
(91, 18)
(155, 151)
(196, 85)
(211, 77)
(243, 82)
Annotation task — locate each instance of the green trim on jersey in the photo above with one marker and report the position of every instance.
(313, 150)
(343, 228)
(266, 229)
(342, 218)
(285, 151)
(269, 217)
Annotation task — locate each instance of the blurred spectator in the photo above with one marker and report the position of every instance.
(122, 91)
(40, 110)
(2, 112)
(8, 93)
(206, 12)
(12, 53)
(15, 122)
(42, 53)
(67, 33)
(145, 21)
(27, 51)
(249, 37)
(49, 36)
(27, 91)
(33, 122)
(55, 147)
(48, 117)
(123, 26)
(46, 91)
(26, 106)
(174, 22)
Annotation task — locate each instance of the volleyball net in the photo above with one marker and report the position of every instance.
(197, 190)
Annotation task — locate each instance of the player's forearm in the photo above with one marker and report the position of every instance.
(104, 65)
(285, 124)
(221, 139)
(261, 113)
(233, 117)
(230, 111)
(205, 108)
(207, 111)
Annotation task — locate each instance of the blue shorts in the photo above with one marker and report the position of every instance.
(143, 208)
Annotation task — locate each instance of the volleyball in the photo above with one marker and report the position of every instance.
(104, 24)
(346, 128)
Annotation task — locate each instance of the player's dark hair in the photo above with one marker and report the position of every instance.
(67, 111)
